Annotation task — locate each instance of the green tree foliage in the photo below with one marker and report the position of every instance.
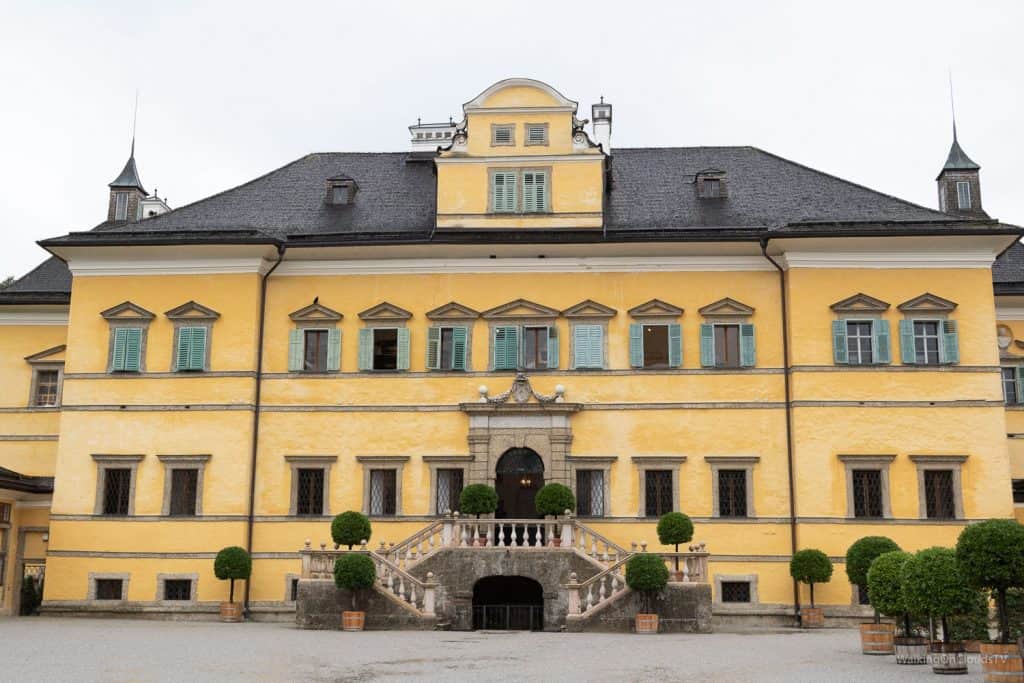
(232, 563)
(350, 528)
(478, 499)
(933, 585)
(991, 556)
(555, 499)
(354, 572)
(675, 528)
(31, 597)
(885, 587)
(6, 282)
(861, 554)
(647, 574)
(811, 566)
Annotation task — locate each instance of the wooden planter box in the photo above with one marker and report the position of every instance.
(1002, 663)
(877, 639)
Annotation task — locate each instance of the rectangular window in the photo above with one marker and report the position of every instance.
(590, 493)
(120, 206)
(109, 589)
(735, 591)
(184, 488)
(449, 489)
(1018, 490)
(587, 346)
(1010, 386)
(502, 135)
(655, 346)
(293, 592)
(191, 351)
(926, 342)
(117, 484)
(867, 493)
(383, 493)
(535, 191)
(309, 499)
(315, 356)
(5, 513)
(658, 492)
(127, 350)
(47, 388)
(177, 589)
(385, 349)
(712, 188)
(505, 350)
(535, 348)
(727, 346)
(536, 134)
(732, 493)
(963, 195)
(446, 348)
(859, 342)
(503, 199)
(940, 501)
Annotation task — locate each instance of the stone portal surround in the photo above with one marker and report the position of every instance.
(543, 428)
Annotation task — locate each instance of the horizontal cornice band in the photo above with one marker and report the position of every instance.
(883, 259)
(29, 318)
(86, 267)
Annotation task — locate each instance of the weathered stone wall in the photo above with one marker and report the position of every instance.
(320, 604)
(681, 608)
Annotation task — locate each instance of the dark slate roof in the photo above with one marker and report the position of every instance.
(129, 175)
(958, 159)
(47, 283)
(1008, 271)
(15, 481)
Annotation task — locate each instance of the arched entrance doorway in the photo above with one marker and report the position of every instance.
(519, 474)
(508, 603)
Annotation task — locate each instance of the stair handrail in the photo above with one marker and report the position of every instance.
(580, 540)
(396, 552)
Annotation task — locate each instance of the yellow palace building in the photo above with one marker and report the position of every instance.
(791, 359)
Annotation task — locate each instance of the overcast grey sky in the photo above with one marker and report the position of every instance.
(230, 91)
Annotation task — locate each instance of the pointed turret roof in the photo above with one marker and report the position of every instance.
(958, 159)
(129, 175)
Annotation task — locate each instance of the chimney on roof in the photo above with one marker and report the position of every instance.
(601, 118)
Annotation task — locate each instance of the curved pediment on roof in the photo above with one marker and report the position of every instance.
(520, 93)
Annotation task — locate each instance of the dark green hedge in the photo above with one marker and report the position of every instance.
(555, 499)
(810, 566)
(862, 553)
(354, 572)
(646, 572)
(351, 528)
(933, 584)
(478, 499)
(675, 528)
(232, 562)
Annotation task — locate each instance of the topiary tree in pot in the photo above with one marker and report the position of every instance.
(811, 566)
(885, 589)
(555, 499)
(478, 499)
(933, 585)
(354, 572)
(231, 564)
(876, 637)
(350, 528)
(647, 574)
(675, 528)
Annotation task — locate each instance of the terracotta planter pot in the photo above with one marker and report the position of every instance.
(231, 612)
(911, 650)
(812, 617)
(1002, 662)
(877, 639)
(948, 658)
(646, 623)
(556, 543)
(675, 577)
(353, 621)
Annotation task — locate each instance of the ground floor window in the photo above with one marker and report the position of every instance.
(177, 589)
(310, 492)
(1018, 490)
(732, 493)
(940, 500)
(735, 591)
(658, 490)
(590, 493)
(109, 589)
(867, 493)
(383, 493)
(449, 489)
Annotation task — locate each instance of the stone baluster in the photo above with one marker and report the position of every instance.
(643, 546)
(428, 594)
(412, 594)
(686, 570)
(447, 530)
(401, 586)
(573, 588)
(590, 596)
(632, 547)
(538, 536)
(600, 589)
(567, 528)
(500, 540)
(463, 536)
(488, 540)
(593, 546)
(604, 555)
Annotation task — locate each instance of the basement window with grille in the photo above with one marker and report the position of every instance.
(109, 589)
(177, 589)
(736, 591)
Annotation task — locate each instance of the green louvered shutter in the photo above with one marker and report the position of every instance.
(133, 349)
(296, 350)
(840, 352)
(504, 192)
(511, 348)
(883, 347)
(950, 342)
(748, 346)
(181, 356)
(434, 348)
(553, 348)
(907, 353)
(675, 345)
(366, 349)
(707, 345)
(588, 346)
(196, 348)
(636, 345)
(333, 350)
(403, 348)
(120, 337)
(535, 191)
(1019, 379)
(459, 337)
(596, 346)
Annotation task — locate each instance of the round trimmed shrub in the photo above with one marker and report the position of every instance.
(862, 553)
(991, 556)
(810, 566)
(647, 574)
(554, 499)
(933, 585)
(354, 572)
(478, 499)
(232, 563)
(675, 528)
(351, 528)
(885, 588)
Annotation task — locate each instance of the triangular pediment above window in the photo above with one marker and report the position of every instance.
(521, 308)
(192, 311)
(51, 355)
(315, 311)
(127, 311)
(385, 312)
(453, 310)
(655, 308)
(726, 307)
(589, 309)
(860, 303)
(927, 303)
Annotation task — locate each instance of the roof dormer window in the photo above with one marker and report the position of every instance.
(710, 184)
(536, 134)
(502, 135)
(341, 191)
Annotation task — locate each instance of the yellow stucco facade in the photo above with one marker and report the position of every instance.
(686, 417)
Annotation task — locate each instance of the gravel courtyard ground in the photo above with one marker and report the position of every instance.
(52, 649)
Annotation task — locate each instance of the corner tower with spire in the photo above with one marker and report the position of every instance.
(129, 201)
(960, 183)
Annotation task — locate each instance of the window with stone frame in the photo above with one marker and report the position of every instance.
(859, 342)
(735, 591)
(184, 491)
(727, 346)
(315, 350)
(590, 493)
(47, 388)
(177, 589)
(383, 492)
(1018, 491)
(732, 493)
(1011, 385)
(867, 493)
(5, 513)
(309, 494)
(449, 489)
(658, 490)
(940, 498)
(109, 589)
(926, 342)
(117, 484)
